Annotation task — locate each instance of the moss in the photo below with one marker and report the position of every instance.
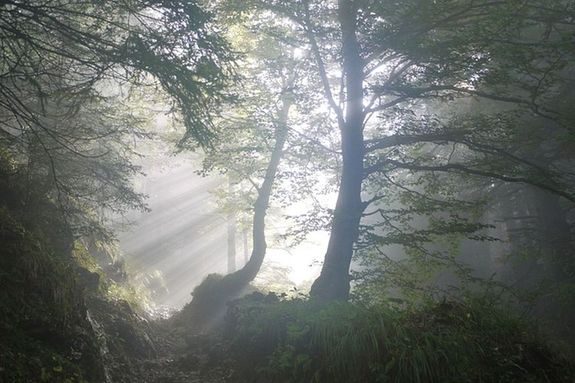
(137, 299)
(84, 259)
(210, 301)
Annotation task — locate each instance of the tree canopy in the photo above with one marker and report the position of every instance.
(71, 76)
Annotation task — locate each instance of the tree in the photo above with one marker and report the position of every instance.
(254, 135)
(67, 72)
(399, 60)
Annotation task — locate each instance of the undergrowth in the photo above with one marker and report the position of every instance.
(48, 282)
(42, 337)
(302, 341)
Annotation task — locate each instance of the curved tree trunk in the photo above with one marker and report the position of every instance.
(247, 273)
(210, 298)
(231, 231)
(333, 282)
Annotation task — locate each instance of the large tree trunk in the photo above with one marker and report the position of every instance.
(333, 282)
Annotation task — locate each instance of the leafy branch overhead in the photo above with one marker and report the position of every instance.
(72, 83)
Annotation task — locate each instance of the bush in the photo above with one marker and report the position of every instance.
(302, 341)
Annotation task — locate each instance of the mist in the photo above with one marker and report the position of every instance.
(287, 191)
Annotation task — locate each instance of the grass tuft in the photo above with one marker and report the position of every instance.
(302, 341)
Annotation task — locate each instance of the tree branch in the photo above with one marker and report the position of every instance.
(460, 168)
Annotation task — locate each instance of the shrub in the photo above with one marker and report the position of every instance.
(302, 341)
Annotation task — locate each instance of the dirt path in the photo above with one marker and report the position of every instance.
(185, 358)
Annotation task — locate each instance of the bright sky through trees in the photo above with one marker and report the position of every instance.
(183, 237)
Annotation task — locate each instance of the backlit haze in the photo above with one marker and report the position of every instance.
(183, 237)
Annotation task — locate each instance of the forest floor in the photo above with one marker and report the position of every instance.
(179, 357)
(186, 359)
(235, 352)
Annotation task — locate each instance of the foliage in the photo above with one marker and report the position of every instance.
(413, 233)
(60, 51)
(48, 283)
(42, 315)
(75, 77)
(295, 341)
(116, 283)
(419, 68)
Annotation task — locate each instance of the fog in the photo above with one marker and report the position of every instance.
(182, 239)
